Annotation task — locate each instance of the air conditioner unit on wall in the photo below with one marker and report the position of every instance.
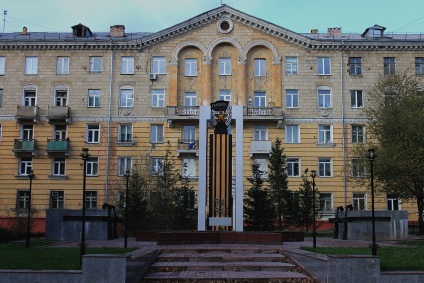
(152, 76)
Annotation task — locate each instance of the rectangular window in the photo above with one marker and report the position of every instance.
(225, 95)
(291, 65)
(324, 64)
(158, 98)
(93, 133)
(419, 66)
(190, 67)
(29, 98)
(60, 132)
(325, 134)
(94, 96)
(96, 64)
(355, 66)
(358, 168)
(324, 167)
(27, 132)
(156, 134)
(2, 65)
(259, 99)
(292, 98)
(1, 132)
(389, 66)
(189, 167)
(92, 168)
(1, 97)
(127, 98)
(22, 201)
(324, 98)
(60, 97)
(190, 99)
(263, 166)
(127, 65)
(359, 201)
(31, 65)
(358, 135)
(25, 166)
(125, 133)
(292, 134)
(224, 66)
(158, 65)
(325, 202)
(356, 99)
(58, 166)
(259, 67)
(57, 199)
(189, 134)
(293, 167)
(260, 133)
(62, 65)
(392, 202)
(124, 165)
(91, 199)
(156, 165)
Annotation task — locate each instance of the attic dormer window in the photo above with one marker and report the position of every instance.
(375, 32)
(81, 30)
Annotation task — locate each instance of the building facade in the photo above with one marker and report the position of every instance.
(127, 97)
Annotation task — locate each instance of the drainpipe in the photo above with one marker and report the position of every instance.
(343, 125)
(108, 122)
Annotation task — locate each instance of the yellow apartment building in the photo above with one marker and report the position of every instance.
(127, 96)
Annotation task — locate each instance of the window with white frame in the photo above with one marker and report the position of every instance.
(190, 98)
(263, 166)
(22, 199)
(419, 66)
(190, 67)
(389, 66)
(31, 65)
(96, 64)
(189, 167)
(127, 65)
(259, 99)
(60, 97)
(57, 199)
(125, 133)
(93, 133)
(324, 64)
(156, 165)
(359, 201)
(291, 65)
(27, 132)
(292, 98)
(224, 66)
(355, 66)
(58, 166)
(91, 199)
(127, 97)
(124, 165)
(60, 132)
(358, 134)
(325, 202)
(324, 167)
(356, 99)
(293, 167)
(158, 65)
(259, 67)
(189, 134)
(292, 134)
(260, 133)
(225, 95)
(325, 134)
(156, 133)
(358, 168)
(92, 168)
(324, 98)
(2, 65)
(94, 96)
(158, 98)
(29, 98)
(392, 202)
(25, 166)
(62, 66)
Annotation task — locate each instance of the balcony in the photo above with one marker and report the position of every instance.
(27, 113)
(188, 147)
(58, 147)
(23, 147)
(59, 114)
(264, 114)
(260, 147)
(174, 113)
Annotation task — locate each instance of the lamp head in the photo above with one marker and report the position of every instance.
(31, 174)
(84, 154)
(313, 173)
(371, 154)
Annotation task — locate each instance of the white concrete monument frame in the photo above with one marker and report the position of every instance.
(237, 116)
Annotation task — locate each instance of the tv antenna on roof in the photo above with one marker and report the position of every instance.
(4, 18)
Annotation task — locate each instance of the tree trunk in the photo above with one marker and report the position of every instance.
(420, 215)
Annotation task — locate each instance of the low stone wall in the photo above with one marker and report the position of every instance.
(31, 276)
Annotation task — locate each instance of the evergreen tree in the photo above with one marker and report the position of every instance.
(259, 211)
(306, 201)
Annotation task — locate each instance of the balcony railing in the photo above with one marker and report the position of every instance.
(260, 147)
(25, 147)
(188, 146)
(57, 146)
(59, 113)
(24, 113)
(264, 111)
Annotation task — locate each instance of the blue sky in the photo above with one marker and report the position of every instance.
(153, 15)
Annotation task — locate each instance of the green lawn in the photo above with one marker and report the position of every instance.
(391, 258)
(40, 256)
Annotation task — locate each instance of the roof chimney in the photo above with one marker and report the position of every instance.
(117, 31)
(334, 31)
(24, 30)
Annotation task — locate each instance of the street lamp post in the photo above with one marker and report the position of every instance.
(127, 177)
(314, 235)
(30, 176)
(84, 155)
(371, 156)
